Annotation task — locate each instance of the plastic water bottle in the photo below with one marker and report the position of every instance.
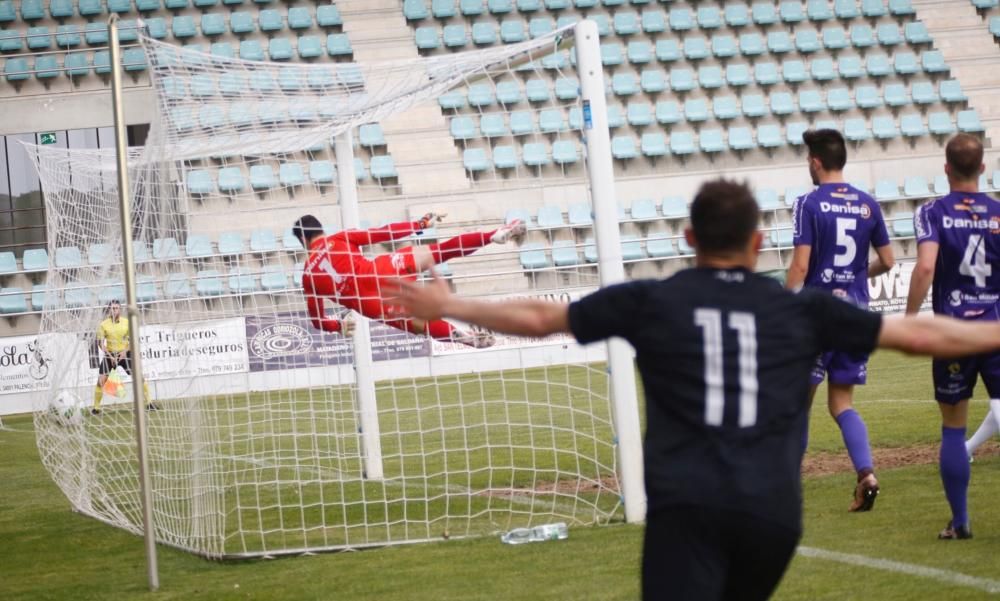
(517, 536)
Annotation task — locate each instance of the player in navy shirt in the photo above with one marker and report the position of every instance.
(958, 239)
(834, 225)
(725, 356)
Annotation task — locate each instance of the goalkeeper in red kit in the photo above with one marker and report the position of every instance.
(337, 270)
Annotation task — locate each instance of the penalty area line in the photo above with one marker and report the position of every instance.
(899, 567)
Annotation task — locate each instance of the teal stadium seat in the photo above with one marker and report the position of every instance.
(741, 138)
(624, 148)
(512, 32)
(736, 15)
(8, 263)
(89, 8)
(537, 90)
(58, 9)
(654, 21)
(900, 8)
(933, 61)
(291, 174)
(10, 40)
(724, 46)
(270, 20)
(782, 103)
(251, 50)
(794, 131)
(878, 65)
(540, 26)
(839, 100)
(176, 4)
(198, 246)
(454, 36)
(912, 125)
(710, 77)
(309, 46)
(915, 33)
(769, 136)
(675, 207)
(668, 50)
(738, 75)
(902, 225)
(709, 17)
(38, 38)
(668, 112)
(681, 19)
(885, 190)
(564, 253)
(568, 88)
(905, 63)
(443, 9)
(766, 74)
(862, 36)
(68, 36)
(725, 108)
(493, 126)
(822, 69)
(328, 15)
(242, 281)
(263, 241)
(752, 44)
(279, 49)
(32, 10)
(383, 167)
(924, 92)
(535, 154)
(807, 41)
(941, 185)
(508, 93)
(39, 297)
(551, 121)
(322, 172)
(134, 59)
(818, 10)
(888, 34)
(791, 11)
(46, 67)
(896, 95)
(532, 256)
(794, 71)
(660, 246)
(231, 180)
(682, 143)
(475, 160)
(427, 38)
(262, 177)
(951, 91)
(12, 300)
(199, 182)
(177, 286)
(213, 24)
(753, 106)
(166, 249)
(157, 28)
(230, 244)
(183, 27)
(968, 122)
(415, 10)
(626, 23)
(643, 209)
(850, 67)
(940, 124)
(484, 34)
(856, 130)
(505, 157)
(471, 8)
(640, 52)
(867, 97)
(873, 8)
(612, 54)
(712, 140)
(632, 249)
(36, 259)
(834, 38)
(241, 23)
(565, 152)
(481, 95)
(299, 17)
(764, 13)
(915, 186)
(767, 199)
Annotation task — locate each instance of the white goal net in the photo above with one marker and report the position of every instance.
(255, 442)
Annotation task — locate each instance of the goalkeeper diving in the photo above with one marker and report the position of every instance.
(337, 270)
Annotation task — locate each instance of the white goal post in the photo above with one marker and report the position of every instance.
(274, 438)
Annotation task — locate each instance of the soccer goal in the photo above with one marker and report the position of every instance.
(271, 437)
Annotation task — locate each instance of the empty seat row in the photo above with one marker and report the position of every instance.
(74, 64)
(34, 10)
(795, 71)
(680, 18)
(231, 180)
(533, 154)
(507, 92)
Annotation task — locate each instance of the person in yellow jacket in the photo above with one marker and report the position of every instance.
(113, 340)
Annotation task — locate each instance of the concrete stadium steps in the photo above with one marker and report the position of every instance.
(968, 47)
(418, 139)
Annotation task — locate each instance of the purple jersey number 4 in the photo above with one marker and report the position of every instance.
(966, 227)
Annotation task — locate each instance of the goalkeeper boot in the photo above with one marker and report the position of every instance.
(950, 532)
(475, 339)
(865, 493)
(514, 230)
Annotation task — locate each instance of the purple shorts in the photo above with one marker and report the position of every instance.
(843, 368)
(955, 379)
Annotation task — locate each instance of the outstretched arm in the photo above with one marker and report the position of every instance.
(522, 317)
(922, 276)
(317, 314)
(884, 263)
(939, 336)
(799, 267)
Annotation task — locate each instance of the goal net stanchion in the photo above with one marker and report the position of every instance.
(256, 450)
(132, 307)
(611, 268)
(347, 183)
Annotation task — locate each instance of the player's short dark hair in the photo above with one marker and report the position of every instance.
(724, 216)
(964, 154)
(828, 146)
(306, 228)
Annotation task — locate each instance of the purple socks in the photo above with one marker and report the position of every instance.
(855, 434)
(955, 473)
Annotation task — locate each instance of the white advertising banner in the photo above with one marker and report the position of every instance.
(888, 291)
(194, 349)
(28, 363)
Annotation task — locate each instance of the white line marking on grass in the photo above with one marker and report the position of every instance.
(946, 576)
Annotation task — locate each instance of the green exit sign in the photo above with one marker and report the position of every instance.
(47, 138)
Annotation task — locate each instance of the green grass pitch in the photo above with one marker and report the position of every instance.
(48, 552)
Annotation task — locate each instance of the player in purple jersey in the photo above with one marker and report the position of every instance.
(833, 227)
(958, 238)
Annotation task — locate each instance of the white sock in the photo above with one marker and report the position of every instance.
(987, 430)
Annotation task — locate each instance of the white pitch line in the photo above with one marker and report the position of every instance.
(899, 567)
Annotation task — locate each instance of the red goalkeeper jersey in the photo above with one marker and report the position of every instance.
(336, 269)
